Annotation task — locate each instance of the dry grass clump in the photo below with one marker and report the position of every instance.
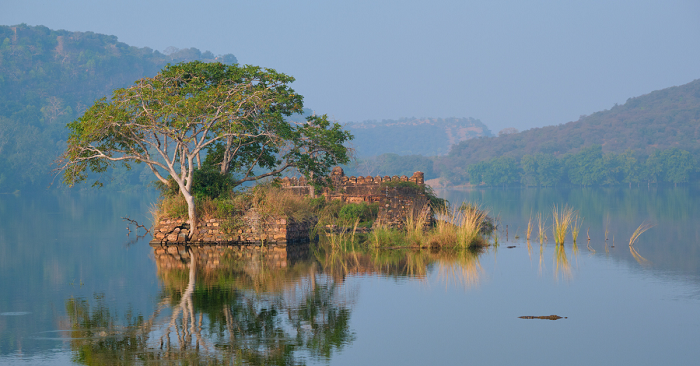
(173, 207)
(414, 225)
(265, 198)
(272, 201)
(460, 227)
(443, 233)
(561, 221)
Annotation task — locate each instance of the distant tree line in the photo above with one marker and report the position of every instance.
(589, 167)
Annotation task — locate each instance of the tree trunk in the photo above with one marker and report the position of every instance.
(191, 213)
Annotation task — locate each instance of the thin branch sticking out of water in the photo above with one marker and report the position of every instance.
(135, 223)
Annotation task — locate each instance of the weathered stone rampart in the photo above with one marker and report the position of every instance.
(252, 230)
(396, 203)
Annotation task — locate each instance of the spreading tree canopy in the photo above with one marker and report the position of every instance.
(234, 114)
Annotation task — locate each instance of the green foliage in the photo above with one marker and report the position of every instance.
(589, 167)
(209, 182)
(48, 78)
(364, 212)
(502, 171)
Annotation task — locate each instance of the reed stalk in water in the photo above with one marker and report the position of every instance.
(640, 230)
(529, 228)
(542, 227)
(576, 227)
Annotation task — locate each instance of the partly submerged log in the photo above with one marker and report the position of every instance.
(548, 317)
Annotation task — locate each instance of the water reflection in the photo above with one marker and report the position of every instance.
(223, 304)
(609, 217)
(219, 306)
(459, 267)
(562, 266)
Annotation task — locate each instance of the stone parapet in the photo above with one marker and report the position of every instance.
(340, 180)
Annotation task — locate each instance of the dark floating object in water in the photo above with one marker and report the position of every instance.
(548, 317)
(512, 246)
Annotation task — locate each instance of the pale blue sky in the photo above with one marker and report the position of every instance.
(509, 63)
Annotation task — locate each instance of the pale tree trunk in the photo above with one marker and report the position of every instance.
(227, 156)
(187, 193)
(191, 213)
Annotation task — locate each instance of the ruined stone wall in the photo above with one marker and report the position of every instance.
(253, 231)
(396, 203)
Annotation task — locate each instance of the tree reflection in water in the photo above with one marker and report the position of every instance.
(219, 305)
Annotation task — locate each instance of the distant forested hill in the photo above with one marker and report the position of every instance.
(665, 120)
(413, 136)
(48, 78)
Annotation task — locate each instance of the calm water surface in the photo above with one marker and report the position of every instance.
(75, 289)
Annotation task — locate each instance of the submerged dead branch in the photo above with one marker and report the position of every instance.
(134, 222)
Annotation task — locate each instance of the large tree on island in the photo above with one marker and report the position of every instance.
(235, 114)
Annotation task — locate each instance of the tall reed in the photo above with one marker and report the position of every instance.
(640, 230)
(414, 224)
(560, 223)
(576, 227)
(542, 227)
(470, 223)
(445, 231)
(529, 228)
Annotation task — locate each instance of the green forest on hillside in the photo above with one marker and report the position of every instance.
(662, 122)
(588, 167)
(48, 78)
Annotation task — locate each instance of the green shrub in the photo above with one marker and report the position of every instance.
(208, 183)
(351, 212)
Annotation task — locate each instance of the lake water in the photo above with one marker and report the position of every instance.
(75, 289)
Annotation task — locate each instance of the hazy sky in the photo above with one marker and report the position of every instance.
(509, 63)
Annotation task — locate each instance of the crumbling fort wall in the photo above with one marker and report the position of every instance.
(396, 203)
